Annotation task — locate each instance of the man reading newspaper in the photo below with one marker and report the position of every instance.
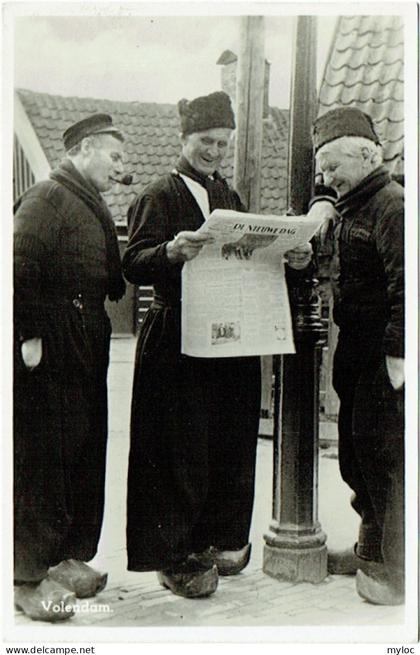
(194, 421)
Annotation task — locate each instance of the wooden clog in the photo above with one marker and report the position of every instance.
(190, 579)
(78, 577)
(45, 601)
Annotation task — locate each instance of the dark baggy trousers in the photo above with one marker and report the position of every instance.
(60, 435)
(371, 448)
(194, 427)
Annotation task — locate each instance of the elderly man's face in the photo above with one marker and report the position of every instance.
(206, 150)
(341, 171)
(103, 159)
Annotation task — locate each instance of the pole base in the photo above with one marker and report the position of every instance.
(296, 565)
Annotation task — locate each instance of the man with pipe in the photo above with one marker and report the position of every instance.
(66, 262)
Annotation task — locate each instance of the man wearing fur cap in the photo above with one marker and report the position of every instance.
(194, 422)
(368, 375)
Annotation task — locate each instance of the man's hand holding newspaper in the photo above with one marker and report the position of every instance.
(186, 245)
(300, 257)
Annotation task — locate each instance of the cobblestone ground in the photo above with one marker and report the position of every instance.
(249, 599)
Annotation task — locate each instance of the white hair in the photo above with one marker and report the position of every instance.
(354, 146)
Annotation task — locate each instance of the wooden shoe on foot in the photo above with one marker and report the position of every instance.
(45, 601)
(78, 577)
(190, 579)
(347, 562)
(232, 562)
(377, 592)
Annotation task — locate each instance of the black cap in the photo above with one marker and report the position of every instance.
(95, 124)
(342, 121)
(206, 112)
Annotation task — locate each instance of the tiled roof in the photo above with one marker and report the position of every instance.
(152, 143)
(365, 68)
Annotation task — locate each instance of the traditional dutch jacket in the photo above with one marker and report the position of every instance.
(194, 421)
(368, 274)
(368, 282)
(66, 262)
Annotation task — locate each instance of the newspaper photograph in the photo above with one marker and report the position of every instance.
(234, 293)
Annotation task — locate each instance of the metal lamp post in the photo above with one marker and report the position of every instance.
(295, 544)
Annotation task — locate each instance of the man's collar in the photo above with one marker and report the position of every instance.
(184, 167)
(357, 197)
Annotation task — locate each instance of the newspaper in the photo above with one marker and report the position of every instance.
(234, 293)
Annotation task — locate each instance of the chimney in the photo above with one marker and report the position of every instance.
(228, 61)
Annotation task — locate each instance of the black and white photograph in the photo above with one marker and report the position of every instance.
(154, 496)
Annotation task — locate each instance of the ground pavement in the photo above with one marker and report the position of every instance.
(249, 599)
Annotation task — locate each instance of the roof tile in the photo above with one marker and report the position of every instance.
(152, 143)
(366, 69)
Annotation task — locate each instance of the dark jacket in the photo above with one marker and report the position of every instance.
(60, 407)
(165, 208)
(194, 421)
(59, 252)
(368, 275)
